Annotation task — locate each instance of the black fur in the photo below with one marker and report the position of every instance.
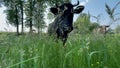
(63, 23)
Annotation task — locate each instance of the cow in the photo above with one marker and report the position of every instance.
(104, 29)
(101, 29)
(63, 23)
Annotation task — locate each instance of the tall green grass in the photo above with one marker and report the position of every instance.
(81, 51)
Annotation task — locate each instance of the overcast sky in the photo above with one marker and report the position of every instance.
(95, 7)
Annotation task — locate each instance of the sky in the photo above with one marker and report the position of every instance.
(94, 7)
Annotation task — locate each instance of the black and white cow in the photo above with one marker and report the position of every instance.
(63, 23)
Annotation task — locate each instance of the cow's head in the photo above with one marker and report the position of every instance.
(104, 28)
(66, 9)
(62, 25)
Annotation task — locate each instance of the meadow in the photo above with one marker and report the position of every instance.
(41, 51)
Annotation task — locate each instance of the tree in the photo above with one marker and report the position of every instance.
(39, 22)
(53, 2)
(93, 26)
(12, 12)
(29, 9)
(21, 6)
(33, 9)
(34, 15)
(82, 23)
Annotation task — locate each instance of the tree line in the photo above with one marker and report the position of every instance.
(27, 13)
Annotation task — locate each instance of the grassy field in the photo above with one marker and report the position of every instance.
(40, 51)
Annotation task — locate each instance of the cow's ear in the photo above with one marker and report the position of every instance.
(54, 10)
(78, 9)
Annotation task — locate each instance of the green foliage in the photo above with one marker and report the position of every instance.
(38, 16)
(11, 11)
(34, 51)
(93, 26)
(53, 2)
(11, 16)
(83, 25)
(33, 9)
(14, 12)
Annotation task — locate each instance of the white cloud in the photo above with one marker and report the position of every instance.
(84, 2)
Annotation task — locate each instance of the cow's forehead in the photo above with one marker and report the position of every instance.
(69, 5)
